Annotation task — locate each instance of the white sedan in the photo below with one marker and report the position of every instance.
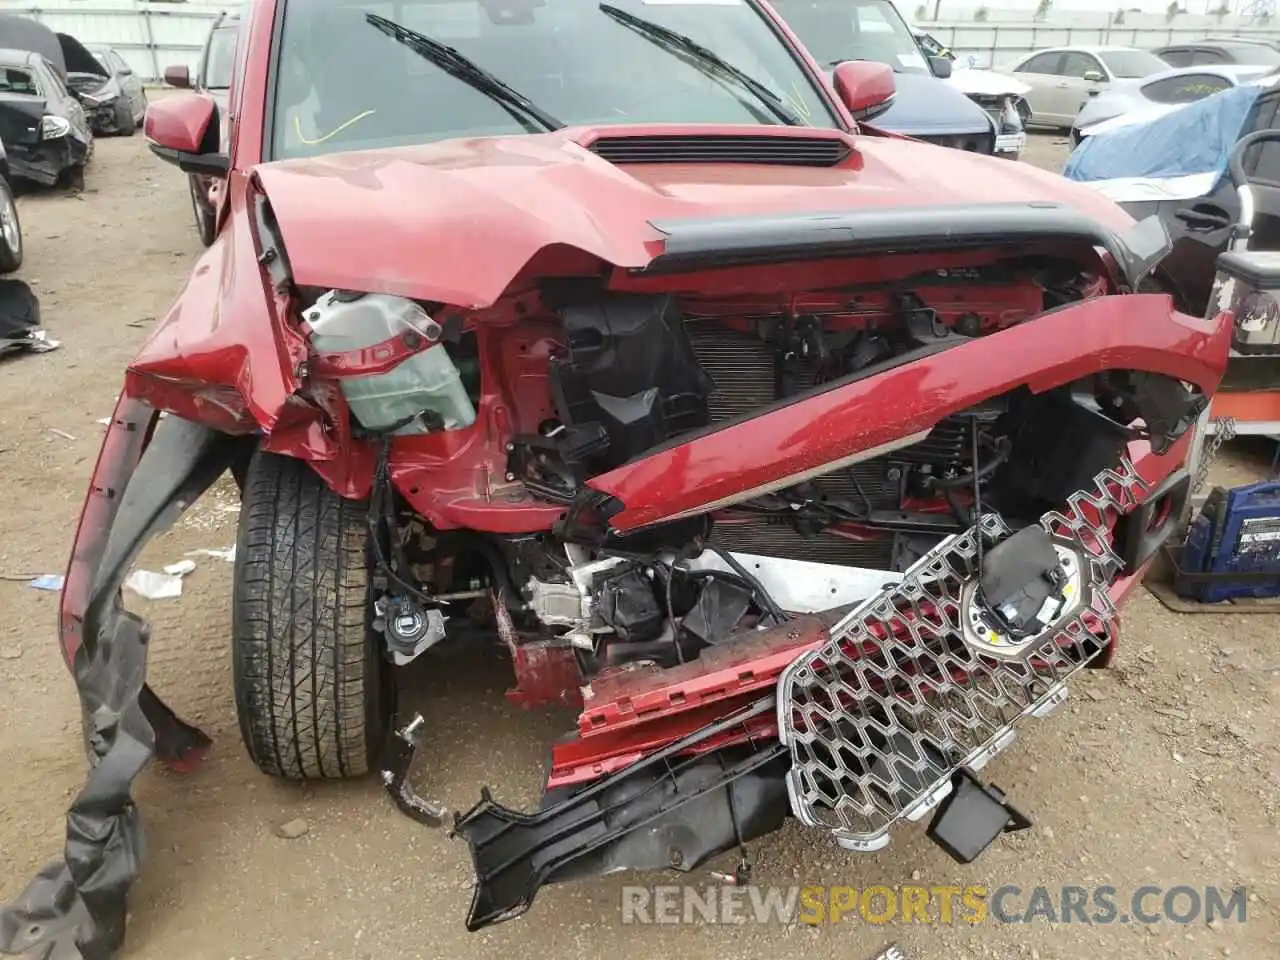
(1062, 79)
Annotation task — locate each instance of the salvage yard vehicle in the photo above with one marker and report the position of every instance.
(213, 76)
(1062, 79)
(113, 93)
(42, 122)
(998, 94)
(925, 105)
(806, 462)
(1157, 95)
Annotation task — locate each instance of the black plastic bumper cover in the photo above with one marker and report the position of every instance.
(514, 853)
(75, 907)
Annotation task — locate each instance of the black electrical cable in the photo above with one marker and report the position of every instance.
(977, 495)
(1004, 447)
(382, 517)
(666, 573)
(757, 588)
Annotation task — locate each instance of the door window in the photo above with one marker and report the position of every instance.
(14, 80)
(1077, 64)
(1045, 63)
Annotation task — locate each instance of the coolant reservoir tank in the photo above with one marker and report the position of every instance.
(426, 383)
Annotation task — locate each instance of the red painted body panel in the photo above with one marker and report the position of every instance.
(180, 122)
(456, 222)
(1138, 332)
(224, 332)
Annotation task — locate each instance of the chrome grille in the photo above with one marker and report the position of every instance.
(879, 718)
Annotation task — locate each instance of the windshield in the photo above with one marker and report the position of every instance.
(1128, 64)
(836, 30)
(346, 84)
(222, 55)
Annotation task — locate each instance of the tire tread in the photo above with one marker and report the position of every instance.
(303, 661)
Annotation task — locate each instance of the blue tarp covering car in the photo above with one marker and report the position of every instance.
(1194, 139)
(1175, 166)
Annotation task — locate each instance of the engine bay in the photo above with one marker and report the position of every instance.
(631, 373)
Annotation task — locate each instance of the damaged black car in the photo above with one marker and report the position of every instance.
(108, 88)
(42, 124)
(42, 121)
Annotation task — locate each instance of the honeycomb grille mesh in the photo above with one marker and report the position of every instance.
(879, 718)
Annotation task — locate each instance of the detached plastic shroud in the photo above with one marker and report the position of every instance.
(885, 717)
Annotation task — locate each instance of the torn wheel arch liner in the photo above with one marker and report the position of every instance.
(147, 473)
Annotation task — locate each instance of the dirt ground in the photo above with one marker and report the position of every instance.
(1163, 770)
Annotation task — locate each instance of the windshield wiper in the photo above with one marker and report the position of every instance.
(469, 72)
(708, 60)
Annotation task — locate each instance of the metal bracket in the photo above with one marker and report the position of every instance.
(401, 749)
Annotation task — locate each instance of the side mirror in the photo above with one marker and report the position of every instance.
(178, 76)
(180, 129)
(1093, 76)
(865, 87)
(128, 71)
(941, 67)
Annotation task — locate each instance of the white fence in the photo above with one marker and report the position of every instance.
(152, 34)
(1002, 42)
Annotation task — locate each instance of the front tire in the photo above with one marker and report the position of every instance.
(313, 694)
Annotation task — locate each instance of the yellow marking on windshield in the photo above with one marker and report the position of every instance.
(797, 102)
(297, 128)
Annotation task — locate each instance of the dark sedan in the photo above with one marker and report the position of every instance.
(112, 94)
(43, 125)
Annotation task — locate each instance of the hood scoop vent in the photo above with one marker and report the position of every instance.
(722, 148)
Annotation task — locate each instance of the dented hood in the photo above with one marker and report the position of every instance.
(455, 222)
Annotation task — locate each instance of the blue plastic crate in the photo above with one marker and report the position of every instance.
(1233, 547)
